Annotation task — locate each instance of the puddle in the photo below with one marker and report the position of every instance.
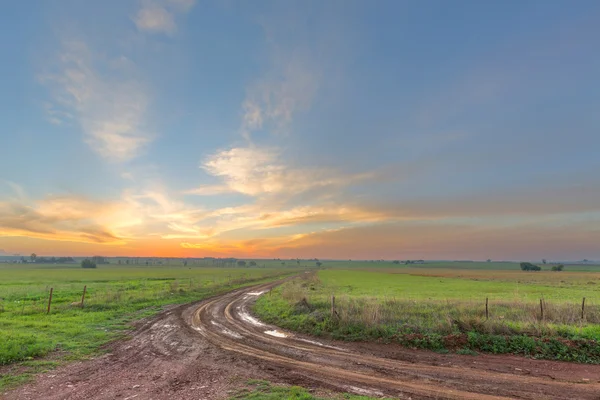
(364, 392)
(255, 293)
(228, 332)
(249, 318)
(276, 333)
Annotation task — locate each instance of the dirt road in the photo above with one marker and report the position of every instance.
(200, 351)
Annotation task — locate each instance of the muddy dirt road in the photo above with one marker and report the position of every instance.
(202, 350)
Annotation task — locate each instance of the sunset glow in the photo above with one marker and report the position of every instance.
(176, 128)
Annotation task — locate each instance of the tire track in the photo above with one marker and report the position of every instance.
(225, 322)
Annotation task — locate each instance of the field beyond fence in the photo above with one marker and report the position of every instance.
(536, 314)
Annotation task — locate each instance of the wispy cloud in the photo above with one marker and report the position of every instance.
(158, 16)
(448, 241)
(65, 218)
(257, 171)
(102, 97)
(272, 101)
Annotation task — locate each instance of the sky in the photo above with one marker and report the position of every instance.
(310, 129)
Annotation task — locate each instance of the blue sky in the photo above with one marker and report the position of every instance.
(337, 129)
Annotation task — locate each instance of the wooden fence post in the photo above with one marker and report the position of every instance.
(487, 315)
(83, 295)
(583, 308)
(542, 308)
(49, 301)
(332, 306)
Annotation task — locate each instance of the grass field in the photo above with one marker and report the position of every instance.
(444, 308)
(375, 300)
(115, 296)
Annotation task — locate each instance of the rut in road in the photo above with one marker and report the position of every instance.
(227, 323)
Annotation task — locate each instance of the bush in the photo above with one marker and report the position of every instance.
(88, 264)
(527, 266)
(558, 267)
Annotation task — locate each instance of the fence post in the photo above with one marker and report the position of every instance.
(83, 295)
(542, 308)
(583, 308)
(332, 306)
(487, 315)
(49, 301)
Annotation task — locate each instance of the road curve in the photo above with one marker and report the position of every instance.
(226, 322)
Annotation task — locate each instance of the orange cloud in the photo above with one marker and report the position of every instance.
(59, 218)
(448, 241)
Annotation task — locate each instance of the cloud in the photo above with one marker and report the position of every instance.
(157, 214)
(155, 19)
(209, 190)
(260, 247)
(272, 101)
(103, 98)
(450, 241)
(65, 218)
(136, 216)
(158, 16)
(580, 195)
(258, 171)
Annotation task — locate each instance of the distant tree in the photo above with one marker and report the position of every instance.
(489, 260)
(126, 261)
(526, 266)
(87, 263)
(119, 262)
(319, 263)
(283, 263)
(33, 257)
(99, 260)
(396, 262)
(23, 260)
(544, 260)
(241, 263)
(146, 263)
(185, 263)
(558, 267)
(253, 263)
(298, 262)
(585, 260)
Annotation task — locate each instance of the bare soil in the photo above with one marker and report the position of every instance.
(207, 349)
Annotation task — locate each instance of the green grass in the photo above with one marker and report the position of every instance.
(445, 309)
(263, 390)
(448, 285)
(116, 295)
(461, 265)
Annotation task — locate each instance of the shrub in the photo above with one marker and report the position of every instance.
(558, 267)
(87, 263)
(527, 266)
